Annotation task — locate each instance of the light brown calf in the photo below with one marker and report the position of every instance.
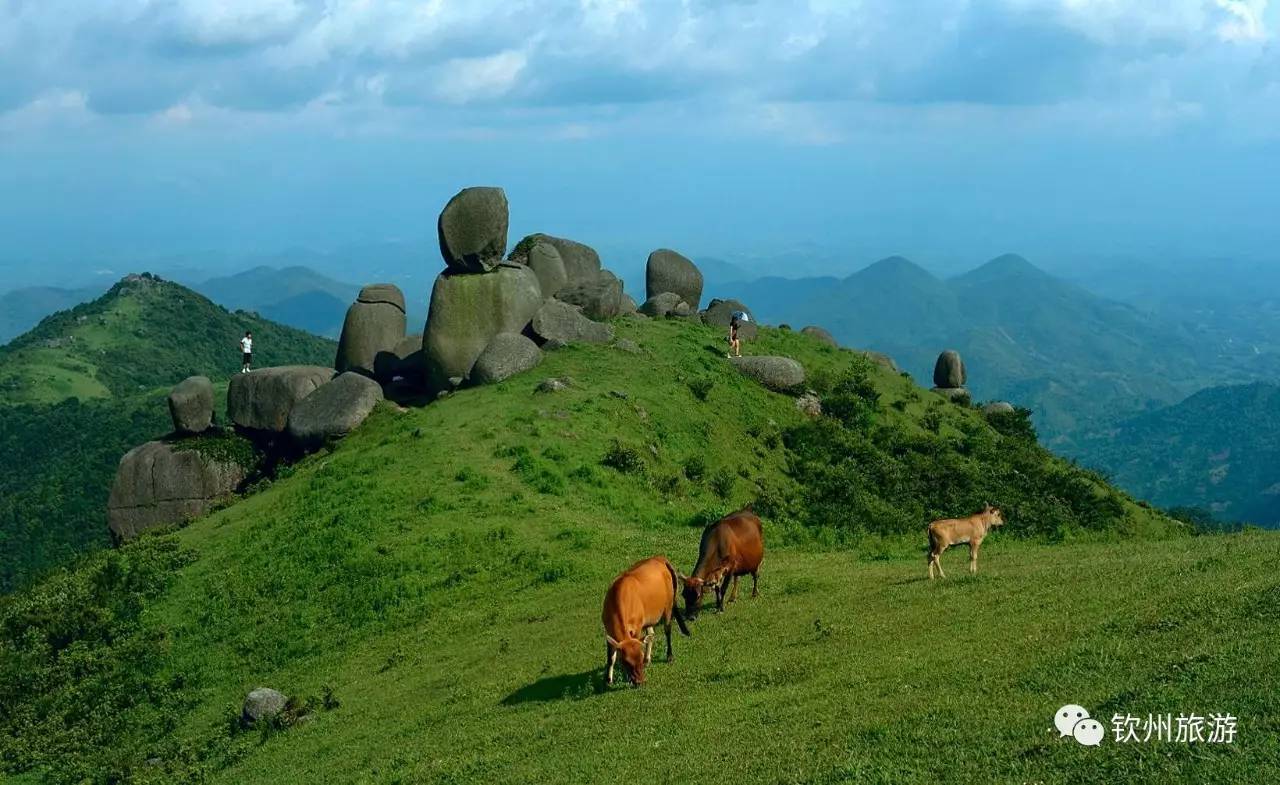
(636, 601)
(955, 531)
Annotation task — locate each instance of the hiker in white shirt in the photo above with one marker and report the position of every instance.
(246, 348)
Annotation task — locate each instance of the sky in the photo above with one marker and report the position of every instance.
(949, 131)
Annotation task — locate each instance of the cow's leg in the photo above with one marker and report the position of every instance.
(671, 655)
(648, 645)
(937, 560)
(733, 597)
(929, 557)
(755, 584)
(721, 590)
(973, 556)
(610, 657)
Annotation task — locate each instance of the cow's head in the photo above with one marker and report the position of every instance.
(694, 589)
(995, 517)
(631, 654)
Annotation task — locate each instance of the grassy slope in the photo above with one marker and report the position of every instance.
(450, 598)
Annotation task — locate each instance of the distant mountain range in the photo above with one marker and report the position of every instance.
(22, 309)
(1218, 450)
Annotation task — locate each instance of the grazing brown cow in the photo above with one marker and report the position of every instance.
(731, 547)
(636, 601)
(954, 531)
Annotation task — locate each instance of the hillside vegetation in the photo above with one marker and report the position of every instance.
(87, 385)
(429, 593)
(1218, 450)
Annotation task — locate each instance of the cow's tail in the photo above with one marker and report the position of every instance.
(675, 598)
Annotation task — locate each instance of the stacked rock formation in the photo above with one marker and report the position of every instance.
(949, 375)
(375, 324)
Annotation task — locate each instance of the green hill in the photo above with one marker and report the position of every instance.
(1218, 450)
(429, 592)
(21, 309)
(88, 384)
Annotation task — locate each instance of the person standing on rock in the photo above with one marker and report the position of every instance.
(246, 350)
(735, 345)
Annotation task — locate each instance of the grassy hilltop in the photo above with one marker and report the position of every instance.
(429, 592)
(88, 384)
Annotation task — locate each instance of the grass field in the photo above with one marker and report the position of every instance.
(437, 578)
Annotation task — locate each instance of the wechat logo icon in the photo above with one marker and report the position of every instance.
(1074, 721)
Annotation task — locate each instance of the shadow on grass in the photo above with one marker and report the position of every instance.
(566, 687)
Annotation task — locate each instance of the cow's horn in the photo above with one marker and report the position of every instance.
(611, 641)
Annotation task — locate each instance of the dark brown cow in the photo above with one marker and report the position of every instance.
(636, 601)
(731, 547)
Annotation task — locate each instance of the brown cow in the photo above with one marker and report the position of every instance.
(954, 531)
(730, 548)
(636, 601)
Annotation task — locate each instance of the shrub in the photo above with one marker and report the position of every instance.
(723, 483)
(854, 399)
(1015, 424)
(695, 469)
(626, 460)
(701, 387)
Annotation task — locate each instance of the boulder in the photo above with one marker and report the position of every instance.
(998, 407)
(334, 410)
(954, 394)
(554, 384)
(375, 323)
(467, 311)
(581, 262)
(473, 230)
(506, 355)
(558, 323)
(191, 405)
(600, 298)
(262, 400)
(662, 304)
(262, 704)
(776, 373)
(404, 360)
(158, 484)
(684, 311)
(628, 305)
(718, 313)
(668, 271)
(949, 371)
(545, 261)
(809, 404)
(629, 346)
(821, 335)
(879, 358)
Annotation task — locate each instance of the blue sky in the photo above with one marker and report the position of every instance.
(946, 130)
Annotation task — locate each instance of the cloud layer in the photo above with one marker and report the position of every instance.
(576, 64)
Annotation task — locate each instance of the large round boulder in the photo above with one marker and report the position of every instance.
(668, 271)
(821, 335)
(719, 312)
(403, 361)
(375, 323)
(559, 323)
(662, 304)
(191, 405)
(948, 371)
(506, 355)
(600, 298)
(776, 373)
(879, 358)
(998, 407)
(546, 263)
(628, 306)
(334, 410)
(473, 230)
(159, 484)
(262, 400)
(467, 311)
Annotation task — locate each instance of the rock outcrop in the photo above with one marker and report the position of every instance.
(668, 271)
(879, 358)
(403, 361)
(821, 335)
(375, 323)
(581, 262)
(600, 297)
(546, 263)
(473, 230)
(776, 373)
(948, 371)
(333, 410)
(662, 304)
(262, 400)
(998, 407)
(467, 311)
(719, 312)
(191, 405)
(506, 355)
(262, 705)
(159, 484)
(559, 323)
